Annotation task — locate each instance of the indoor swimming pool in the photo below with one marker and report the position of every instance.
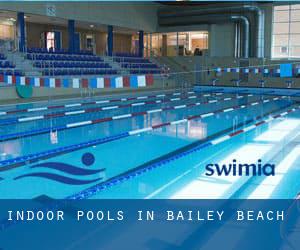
(150, 145)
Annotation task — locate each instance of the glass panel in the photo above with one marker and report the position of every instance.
(280, 40)
(199, 40)
(281, 28)
(183, 39)
(172, 39)
(184, 45)
(280, 52)
(295, 28)
(281, 7)
(281, 16)
(294, 40)
(6, 32)
(157, 44)
(171, 44)
(50, 40)
(295, 15)
(295, 51)
(295, 6)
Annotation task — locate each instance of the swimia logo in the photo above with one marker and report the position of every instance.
(240, 169)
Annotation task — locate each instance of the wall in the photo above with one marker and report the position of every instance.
(268, 9)
(221, 40)
(122, 43)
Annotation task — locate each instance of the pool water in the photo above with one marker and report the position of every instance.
(149, 145)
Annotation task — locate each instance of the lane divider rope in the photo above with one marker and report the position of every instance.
(91, 191)
(79, 104)
(24, 160)
(105, 119)
(11, 121)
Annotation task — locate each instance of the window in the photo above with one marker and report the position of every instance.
(6, 32)
(50, 40)
(286, 33)
(186, 43)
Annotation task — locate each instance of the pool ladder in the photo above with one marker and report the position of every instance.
(234, 124)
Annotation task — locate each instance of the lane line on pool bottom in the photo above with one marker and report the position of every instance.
(124, 177)
(22, 119)
(107, 119)
(79, 104)
(24, 160)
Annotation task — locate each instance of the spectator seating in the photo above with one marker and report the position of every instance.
(124, 54)
(137, 65)
(5, 64)
(57, 51)
(131, 60)
(62, 64)
(7, 67)
(65, 57)
(53, 63)
(146, 71)
(72, 71)
(11, 72)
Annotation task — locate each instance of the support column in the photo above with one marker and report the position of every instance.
(21, 31)
(71, 35)
(141, 43)
(110, 40)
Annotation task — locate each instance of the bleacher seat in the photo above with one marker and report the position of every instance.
(7, 67)
(146, 71)
(57, 51)
(136, 64)
(124, 54)
(11, 72)
(131, 60)
(6, 64)
(71, 71)
(59, 57)
(61, 64)
(58, 63)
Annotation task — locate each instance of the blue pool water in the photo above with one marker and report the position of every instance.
(107, 168)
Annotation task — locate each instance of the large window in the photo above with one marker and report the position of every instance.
(188, 42)
(181, 43)
(286, 31)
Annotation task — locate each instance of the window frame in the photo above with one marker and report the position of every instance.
(289, 34)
